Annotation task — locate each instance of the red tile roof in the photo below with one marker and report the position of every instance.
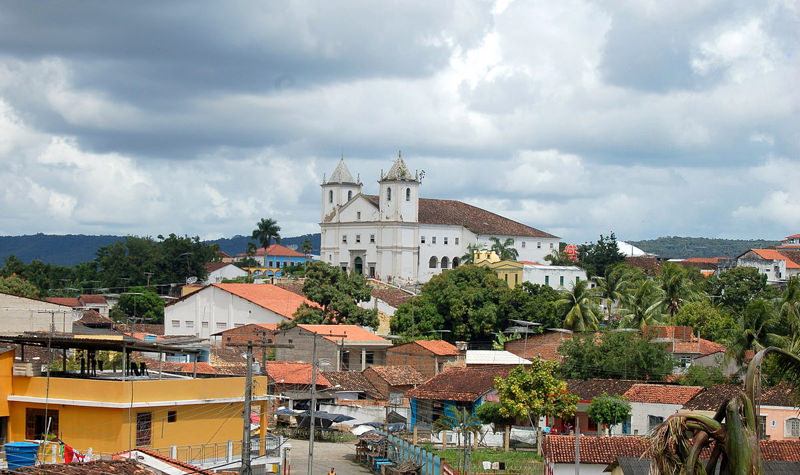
(477, 220)
(593, 450)
(93, 317)
(774, 255)
(68, 301)
(350, 332)
(787, 450)
(394, 297)
(670, 332)
(280, 251)
(271, 297)
(661, 393)
(697, 346)
(212, 266)
(351, 381)
(784, 394)
(710, 399)
(438, 347)
(186, 467)
(117, 467)
(704, 260)
(793, 236)
(292, 372)
(459, 384)
(399, 375)
(544, 346)
(93, 299)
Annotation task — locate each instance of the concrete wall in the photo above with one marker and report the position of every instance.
(553, 275)
(20, 314)
(363, 414)
(641, 411)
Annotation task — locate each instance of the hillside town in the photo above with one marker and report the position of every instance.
(424, 335)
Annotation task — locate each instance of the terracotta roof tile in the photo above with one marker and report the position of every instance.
(187, 467)
(459, 384)
(775, 255)
(661, 393)
(68, 301)
(698, 346)
(594, 450)
(586, 390)
(787, 450)
(271, 297)
(278, 251)
(710, 399)
(394, 297)
(784, 394)
(292, 372)
(351, 381)
(438, 347)
(294, 288)
(151, 328)
(119, 467)
(477, 220)
(671, 332)
(93, 317)
(650, 265)
(93, 299)
(351, 332)
(399, 375)
(212, 266)
(544, 346)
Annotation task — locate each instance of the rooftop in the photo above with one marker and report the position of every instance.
(459, 384)
(270, 297)
(586, 390)
(493, 357)
(593, 450)
(350, 332)
(399, 375)
(661, 393)
(293, 372)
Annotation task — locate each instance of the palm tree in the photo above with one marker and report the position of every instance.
(469, 257)
(789, 310)
(614, 286)
(641, 306)
(503, 249)
(754, 330)
(581, 311)
(307, 246)
(251, 249)
(461, 422)
(267, 230)
(675, 286)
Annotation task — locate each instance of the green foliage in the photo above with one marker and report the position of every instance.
(579, 307)
(757, 327)
(337, 294)
(705, 376)
(465, 300)
(677, 285)
(640, 304)
(735, 288)
(307, 246)
(147, 307)
(489, 413)
(614, 286)
(247, 262)
(242, 279)
(535, 392)
(674, 247)
(15, 285)
(532, 303)
(267, 230)
(706, 320)
(504, 249)
(600, 255)
(469, 256)
(619, 355)
(560, 258)
(609, 410)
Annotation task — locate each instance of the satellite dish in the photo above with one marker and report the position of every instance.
(191, 280)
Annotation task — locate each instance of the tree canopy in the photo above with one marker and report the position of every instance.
(337, 295)
(617, 355)
(531, 393)
(504, 249)
(596, 257)
(141, 305)
(609, 410)
(532, 303)
(16, 285)
(267, 230)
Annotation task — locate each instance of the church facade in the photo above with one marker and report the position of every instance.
(398, 237)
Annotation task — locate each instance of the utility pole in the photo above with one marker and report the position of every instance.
(313, 409)
(577, 445)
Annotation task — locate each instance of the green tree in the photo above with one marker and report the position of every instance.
(532, 303)
(457, 420)
(600, 255)
(560, 258)
(469, 256)
(789, 306)
(676, 287)
(531, 393)
(705, 376)
(142, 305)
(489, 413)
(756, 328)
(640, 306)
(267, 230)
(609, 410)
(307, 246)
(579, 308)
(614, 286)
(619, 355)
(706, 320)
(337, 295)
(16, 285)
(504, 249)
(736, 287)
(465, 301)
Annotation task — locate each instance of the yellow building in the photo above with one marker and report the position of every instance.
(110, 412)
(509, 271)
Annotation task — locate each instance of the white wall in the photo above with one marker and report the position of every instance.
(228, 272)
(20, 314)
(586, 469)
(552, 275)
(640, 413)
(212, 310)
(364, 414)
(532, 249)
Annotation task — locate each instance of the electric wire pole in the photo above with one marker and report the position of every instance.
(313, 408)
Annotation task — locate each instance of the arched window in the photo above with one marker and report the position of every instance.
(445, 262)
(432, 263)
(349, 195)
(455, 262)
(388, 194)
(330, 196)
(408, 194)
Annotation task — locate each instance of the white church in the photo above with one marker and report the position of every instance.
(397, 236)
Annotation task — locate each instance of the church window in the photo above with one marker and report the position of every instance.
(456, 241)
(523, 243)
(372, 239)
(539, 245)
(445, 262)
(358, 238)
(344, 238)
(358, 215)
(561, 281)
(432, 263)
(433, 239)
(330, 196)
(547, 280)
(551, 245)
(349, 195)
(455, 261)
(408, 194)
(422, 239)
(445, 239)
(388, 194)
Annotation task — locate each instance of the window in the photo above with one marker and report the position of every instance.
(205, 324)
(547, 280)
(144, 421)
(577, 279)
(349, 195)
(176, 323)
(444, 240)
(455, 262)
(358, 215)
(189, 323)
(653, 421)
(408, 194)
(516, 279)
(523, 243)
(422, 239)
(388, 194)
(369, 357)
(792, 427)
(237, 325)
(270, 264)
(561, 281)
(36, 423)
(456, 241)
(762, 427)
(539, 245)
(172, 416)
(330, 196)
(344, 238)
(445, 262)
(551, 245)
(222, 325)
(433, 262)
(433, 239)
(372, 239)
(358, 238)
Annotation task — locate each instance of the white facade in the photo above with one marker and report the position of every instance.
(22, 314)
(557, 277)
(228, 272)
(211, 310)
(399, 237)
(646, 415)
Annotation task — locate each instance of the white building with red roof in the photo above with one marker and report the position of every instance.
(778, 264)
(219, 307)
(398, 236)
(219, 271)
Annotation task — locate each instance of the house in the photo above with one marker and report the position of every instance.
(109, 410)
(273, 259)
(385, 300)
(652, 403)
(219, 271)
(83, 302)
(544, 346)
(778, 264)
(219, 307)
(780, 412)
(690, 350)
(351, 386)
(23, 314)
(517, 272)
(456, 388)
(587, 391)
(93, 319)
(397, 236)
(292, 380)
(477, 358)
(429, 357)
(254, 332)
(339, 347)
(392, 382)
(596, 453)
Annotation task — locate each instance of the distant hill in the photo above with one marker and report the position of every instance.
(72, 249)
(674, 247)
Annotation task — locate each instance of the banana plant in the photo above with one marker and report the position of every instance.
(732, 433)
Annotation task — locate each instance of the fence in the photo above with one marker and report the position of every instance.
(401, 450)
(217, 453)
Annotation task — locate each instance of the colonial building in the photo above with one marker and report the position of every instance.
(398, 236)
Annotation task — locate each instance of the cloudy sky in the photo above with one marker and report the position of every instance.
(642, 117)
